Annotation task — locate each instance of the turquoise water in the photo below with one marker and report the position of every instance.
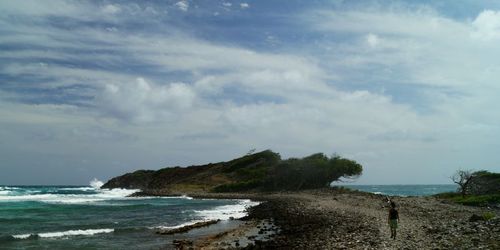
(84, 217)
(405, 190)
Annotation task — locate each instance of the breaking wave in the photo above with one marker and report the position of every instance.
(64, 233)
(64, 195)
(226, 212)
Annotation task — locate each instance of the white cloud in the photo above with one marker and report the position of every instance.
(227, 4)
(37, 8)
(111, 9)
(445, 65)
(372, 40)
(141, 101)
(244, 5)
(183, 5)
(487, 25)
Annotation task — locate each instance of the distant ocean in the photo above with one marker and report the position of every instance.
(405, 190)
(76, 217)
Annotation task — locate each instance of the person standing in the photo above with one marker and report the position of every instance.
(393, 219)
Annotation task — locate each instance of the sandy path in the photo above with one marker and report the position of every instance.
(424, 221)
(410, 233)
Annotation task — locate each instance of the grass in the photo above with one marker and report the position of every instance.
(488, 216)
(478, 200)
(471, 200)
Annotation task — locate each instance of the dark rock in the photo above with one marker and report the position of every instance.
(475, 218)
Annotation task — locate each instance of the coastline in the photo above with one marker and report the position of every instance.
(345, 219)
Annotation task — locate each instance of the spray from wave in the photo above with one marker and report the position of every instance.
(95, 183)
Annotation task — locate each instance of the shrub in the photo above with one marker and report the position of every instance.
(488, 216)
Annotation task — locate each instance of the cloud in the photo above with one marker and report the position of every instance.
(182, 5)
(487, 25)
(141, 101)
(111, 9)
(372, 40)
(389, 87)
(244, 5)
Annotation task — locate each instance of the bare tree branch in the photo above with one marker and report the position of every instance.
(462, 178)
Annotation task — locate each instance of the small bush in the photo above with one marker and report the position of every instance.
(488, 216)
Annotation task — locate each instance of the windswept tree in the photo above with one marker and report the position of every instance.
(314, 171)
(463, 179)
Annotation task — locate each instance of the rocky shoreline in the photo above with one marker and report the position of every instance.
(344, 219)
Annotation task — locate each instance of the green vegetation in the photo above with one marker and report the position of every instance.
(314, 171)
(477, 200)
(262, 171)
(480, 188)
(484, 182)
(237, 186)
(488, 216)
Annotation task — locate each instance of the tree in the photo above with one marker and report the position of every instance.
(484, 182)
(463, 179)
(314, 171)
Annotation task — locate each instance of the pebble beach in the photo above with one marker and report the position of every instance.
(345, 219)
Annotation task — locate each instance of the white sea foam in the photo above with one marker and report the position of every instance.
(95, 183)
(21, 236)
(66, 233)
(186, 197)
(178, 226)
(101, 195)
(78, 189)
(226, 212)
(76, 232)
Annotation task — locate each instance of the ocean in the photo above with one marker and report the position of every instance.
(86, 217)
(405, 190)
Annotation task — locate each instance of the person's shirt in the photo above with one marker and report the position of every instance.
(393, 214)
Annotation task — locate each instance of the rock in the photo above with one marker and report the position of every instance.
(475, 218)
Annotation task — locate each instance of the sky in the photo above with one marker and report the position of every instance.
(95, 89)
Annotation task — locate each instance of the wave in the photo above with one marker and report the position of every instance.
(186, 197)
(97, 196)
(95, 183)
(227, 212)
(71, 195)
(21, 236)
(189, 223)
(64, 233)
(78, 189)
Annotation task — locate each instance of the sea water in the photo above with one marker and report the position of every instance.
(405, 190)
(87, 217)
